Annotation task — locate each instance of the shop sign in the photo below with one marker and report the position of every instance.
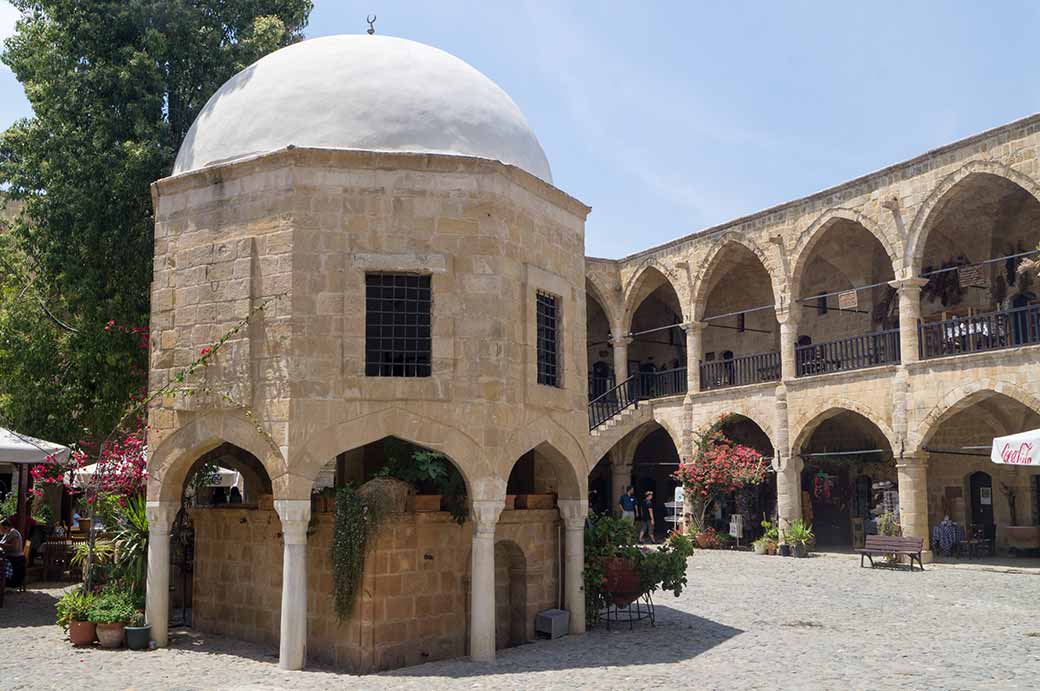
(849, 300)
(1017, 449)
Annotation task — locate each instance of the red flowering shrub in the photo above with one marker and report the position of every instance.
(719, 468)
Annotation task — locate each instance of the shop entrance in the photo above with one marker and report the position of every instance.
(848, 480)
(981, 485)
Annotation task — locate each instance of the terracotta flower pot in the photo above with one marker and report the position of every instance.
(703, 540)
(82, 632)
(621, 581)
(427, 502)
(110, 635)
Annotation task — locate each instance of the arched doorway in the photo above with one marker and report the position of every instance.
(654, 462)
(741, 339)
(965, 486)
(976, 297)
(657, 353)
(849, 315)
(848, 480)
(510, 595)
(756, 504)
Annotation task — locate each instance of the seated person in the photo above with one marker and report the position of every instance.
(11, 544)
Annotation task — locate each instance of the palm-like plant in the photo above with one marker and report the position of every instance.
(131, 541)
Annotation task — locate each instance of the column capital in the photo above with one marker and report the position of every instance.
(161, 515)
(912, 284)
(295, 515)
(693, 327)
(573, 512)
(485, 513)
(910, 461)
(622, 341)
(789, 313)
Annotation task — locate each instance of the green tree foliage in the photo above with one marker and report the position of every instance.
(114, 86)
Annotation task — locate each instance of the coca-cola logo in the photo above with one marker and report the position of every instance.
(1023, 455)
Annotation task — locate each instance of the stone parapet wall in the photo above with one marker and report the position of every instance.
(414, 605)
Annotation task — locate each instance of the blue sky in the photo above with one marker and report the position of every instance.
(673, 117)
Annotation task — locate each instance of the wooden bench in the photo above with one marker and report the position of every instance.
(882, 545)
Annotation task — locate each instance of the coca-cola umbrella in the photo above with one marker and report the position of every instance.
(1017, 449)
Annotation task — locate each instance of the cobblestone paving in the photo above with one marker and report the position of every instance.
(745, 622)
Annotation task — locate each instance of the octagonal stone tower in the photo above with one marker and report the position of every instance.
(380, 217)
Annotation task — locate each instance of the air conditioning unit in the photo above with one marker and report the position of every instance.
(552, 623)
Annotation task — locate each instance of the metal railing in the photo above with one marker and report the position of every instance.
(600, 385)
(991, 331)
(746, 369)
(669, 382)
(612, 402)
(856, 352)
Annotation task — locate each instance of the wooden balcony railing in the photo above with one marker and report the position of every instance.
(746, 369)
(856, 352)
(612, 402)
(992, 331)
(669, 382)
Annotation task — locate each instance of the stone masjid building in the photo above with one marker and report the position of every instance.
(373, 225)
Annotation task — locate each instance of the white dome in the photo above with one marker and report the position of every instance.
(376, 93)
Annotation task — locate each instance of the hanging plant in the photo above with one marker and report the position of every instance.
(356, 524)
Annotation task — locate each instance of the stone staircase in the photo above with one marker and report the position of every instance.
(614, 430)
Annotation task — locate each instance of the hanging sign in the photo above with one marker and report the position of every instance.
(849, 300)
(970, 276)
(1017, 449)
(986, 495)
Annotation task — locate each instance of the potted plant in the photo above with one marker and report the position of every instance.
(760, 545)
(621, 580)
(112, 609)
(138, 634)
(799, 535)
(784, 549)
(73, 614)
(771, 536)
(436, 480)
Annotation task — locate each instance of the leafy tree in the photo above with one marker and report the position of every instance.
(114, 86)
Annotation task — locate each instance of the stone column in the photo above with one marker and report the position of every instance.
(620, 476)
(573, 513)
(694, 353)
(909, 290)
(161, 515)
(788, 320)
(620, 357)
(295, 515)
(788, 466)
(485, 514)
(912, 475)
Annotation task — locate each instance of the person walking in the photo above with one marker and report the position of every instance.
(647, 516)
(627, 502)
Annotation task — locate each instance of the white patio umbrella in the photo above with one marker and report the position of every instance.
(21, 448)
(1017, 449)
(225, 477)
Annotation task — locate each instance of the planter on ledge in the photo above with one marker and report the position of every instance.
(427, 502)
(536, 501)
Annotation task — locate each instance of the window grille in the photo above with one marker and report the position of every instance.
(548, 319)
(397, 325)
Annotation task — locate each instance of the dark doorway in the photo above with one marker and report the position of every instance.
(982, 503)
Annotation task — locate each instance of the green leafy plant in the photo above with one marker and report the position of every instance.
(772, 533)
(114, 606)
(9, 505)
(430, 472)
(74, 605)
(131, 546)
(41, 512)
(798, 533)
(356, 523)
(888, 525)
(104, 554)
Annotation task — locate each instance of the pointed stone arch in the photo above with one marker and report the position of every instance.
(611, 308)
(560, 447)
(812, 235)
(808, 424)
(944, 192)
(711, 262)
(465, 452)
(636, 291)
(173, 458)
(963, 397)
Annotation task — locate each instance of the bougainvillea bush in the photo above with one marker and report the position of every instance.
(719, 467)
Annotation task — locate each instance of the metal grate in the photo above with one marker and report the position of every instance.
(547, 315)
(397, 325)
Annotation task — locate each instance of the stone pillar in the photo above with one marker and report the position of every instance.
(161, 515)
(620, 476)
(694, 353)
(788, 466)
(573, 513)
(485, 514)
(788, 320)
(912, 475)
(295, 515)
(620, 357)
(909, 290)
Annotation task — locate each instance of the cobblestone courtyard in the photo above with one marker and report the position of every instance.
(745, 622)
